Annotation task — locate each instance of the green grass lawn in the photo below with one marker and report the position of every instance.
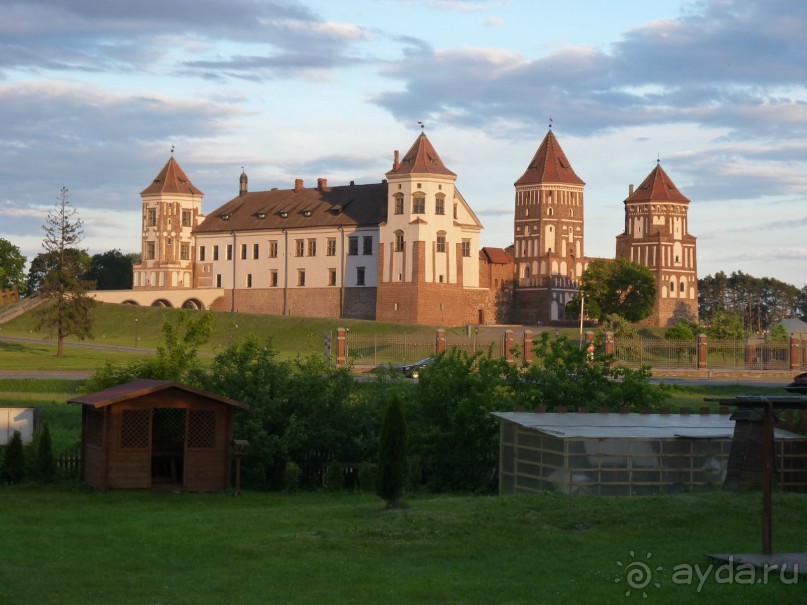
(67, 545)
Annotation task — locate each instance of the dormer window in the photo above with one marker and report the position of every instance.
(261, 215)
(306, 213)
(225, 216)
(284, 214)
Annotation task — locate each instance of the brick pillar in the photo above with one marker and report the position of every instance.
(341, 346)
(440, 341)
(703, 349)
(527, 346)
(795, 354)
(508, 345)
(610, 349)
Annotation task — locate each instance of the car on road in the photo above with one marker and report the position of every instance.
(410, 370)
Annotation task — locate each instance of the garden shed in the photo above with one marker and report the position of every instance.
(156, 434)
(627, 453)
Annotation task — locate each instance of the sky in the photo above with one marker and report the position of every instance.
(94, 95)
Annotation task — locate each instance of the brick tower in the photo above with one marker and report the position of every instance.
(548, 236)
(656, 236)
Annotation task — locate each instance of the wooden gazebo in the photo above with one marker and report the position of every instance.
(156, 434)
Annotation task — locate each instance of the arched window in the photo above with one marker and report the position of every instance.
(399, 203)
(440, 203)
(399, 241)
(441, 241)
(550, 211)
(418, 203)
(683, 286)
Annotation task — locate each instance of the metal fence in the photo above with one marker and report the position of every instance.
(748, 354)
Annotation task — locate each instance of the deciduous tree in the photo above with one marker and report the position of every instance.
(619, 286)
(12, 266)
(111, 270)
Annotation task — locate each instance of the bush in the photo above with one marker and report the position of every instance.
(13, 468)
(335, 476)
(292, 476)
(368, 471)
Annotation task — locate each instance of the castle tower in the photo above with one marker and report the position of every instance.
(429, 243)
(172, 207)
(549, 235)
(656, 236)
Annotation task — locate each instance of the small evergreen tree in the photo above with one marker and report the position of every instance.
(45, 461)
(392, 458)
(13, 469)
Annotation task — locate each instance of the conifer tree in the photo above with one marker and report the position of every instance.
(45, 462)
(392, 454)
(13, 469)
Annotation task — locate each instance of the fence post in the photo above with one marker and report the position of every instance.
(341, 346)
(609, 343)
(439, 341)
(795, 358)
(703, 350)
(527, 347)
(508, 345)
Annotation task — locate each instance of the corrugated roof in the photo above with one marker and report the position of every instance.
(421, 158)
(346, 205)
(172, 179)
(657, 187)
(549, 165)
(630, 426)
(139, 388)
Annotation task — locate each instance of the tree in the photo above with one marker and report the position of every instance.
(111, 270)
(619, 286)
(392, 460)
(725, 325)
(45, 262)
(13, 468)
(683, 330)
(69, 310)
(45, 461)
(12, 266)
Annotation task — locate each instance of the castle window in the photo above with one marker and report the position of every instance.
(151, 217)
(352, 246)
(359, 276)
(440, 204)
(218, 280)
(201, 253)
(455, 211)
(367, 244)
(272, 248)
(243, 252)
(249, 280)
(273, 278)
(312, 247)
(550, 211)
(301, 277)
(186, 218)
(331, 277)
(399, 203)
(299, 247)
(330, 247)
(683, 286)
(215, 253)
(441, 241)
(418, 204)
(399, 241)
(466, 247)
(229, 252)
(150, 250)
(184, 251)
(256, 251)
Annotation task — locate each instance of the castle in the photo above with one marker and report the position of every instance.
(405, 249)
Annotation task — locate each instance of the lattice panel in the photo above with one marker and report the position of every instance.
(202, 429)
(134, 432)
(94, 428)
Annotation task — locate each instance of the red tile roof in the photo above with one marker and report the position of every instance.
(172, 179)
(346, 205)
(549, 165)
(496, 256)
(421, 159)
(657, 187)
(138, 388)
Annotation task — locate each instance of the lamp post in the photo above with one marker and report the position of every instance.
(582, 312)
(137, 333)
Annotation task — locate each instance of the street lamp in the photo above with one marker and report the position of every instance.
(137, 333)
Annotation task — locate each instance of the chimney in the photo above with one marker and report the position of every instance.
(630, 190)
(298, 185)
(395, 163)
(322, 184)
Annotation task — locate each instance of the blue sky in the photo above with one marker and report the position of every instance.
(94, 94)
